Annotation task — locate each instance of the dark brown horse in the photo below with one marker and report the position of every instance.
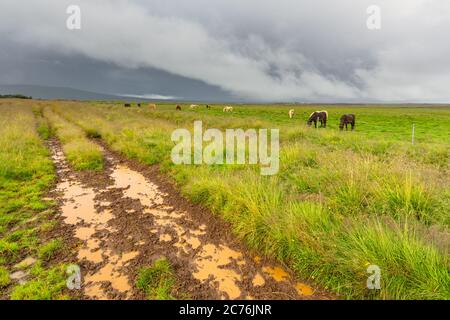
(347, 119)
(318, 116)
(127, 105)
(178, 107)
(208, 106)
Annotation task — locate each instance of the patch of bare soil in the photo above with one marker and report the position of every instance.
(129, 215)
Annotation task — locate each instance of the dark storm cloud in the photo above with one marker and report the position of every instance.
(258, 50)
(20, 65)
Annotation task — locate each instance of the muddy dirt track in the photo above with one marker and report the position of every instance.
(119, 220)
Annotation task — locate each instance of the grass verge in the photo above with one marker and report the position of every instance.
(81, 153)
(26, 175)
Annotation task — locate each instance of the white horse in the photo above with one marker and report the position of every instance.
(228, 109)
(193, 106)
(291, 113)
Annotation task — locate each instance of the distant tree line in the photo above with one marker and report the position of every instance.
(14, 96)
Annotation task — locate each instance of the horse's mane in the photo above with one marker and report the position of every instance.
(326, 112)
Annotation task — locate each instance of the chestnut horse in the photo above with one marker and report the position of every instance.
(321, 116)
(347, 119)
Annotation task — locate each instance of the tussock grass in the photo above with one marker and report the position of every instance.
(81, 153)
(341, 201)
(4, 277)
(157, 281)
(48, 250)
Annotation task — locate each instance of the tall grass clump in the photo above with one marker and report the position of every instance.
(157, 281)
(81, 153)
(410, 268)
(405, 197)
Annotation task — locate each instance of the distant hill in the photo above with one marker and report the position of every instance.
(14, 96)
(45, 92)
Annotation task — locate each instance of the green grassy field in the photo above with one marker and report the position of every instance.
(26, 175)
(341, 201)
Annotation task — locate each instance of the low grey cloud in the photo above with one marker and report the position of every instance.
(286, 50)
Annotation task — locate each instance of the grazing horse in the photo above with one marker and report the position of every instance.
(208, 106)
(152, 106)
(193, 106)
(138, 104)
(228, 109)
(127, 105)
(178, 107)
(321, 116)
(291, 113)
(347, 119)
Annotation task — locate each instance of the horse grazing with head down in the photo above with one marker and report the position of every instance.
(347, 119)
(291, 113)
(318, 116)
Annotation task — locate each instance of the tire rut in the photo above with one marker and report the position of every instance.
(128, 215)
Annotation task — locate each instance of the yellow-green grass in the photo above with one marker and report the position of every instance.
(26, 175)
(157, 281)
(341, 201)
(45, 284)
(81, 153)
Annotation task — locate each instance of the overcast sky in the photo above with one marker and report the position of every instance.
(279, 50)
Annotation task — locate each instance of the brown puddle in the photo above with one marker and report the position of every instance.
(211, 263)
(78, 202)
(276, 273)
(136, 186)
(303, 289)
(165, 237)
(110, 273)
(280, 275)
(258, 280)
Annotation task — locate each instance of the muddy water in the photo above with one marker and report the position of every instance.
(110, 273)
(211, 263)
(79, 209)
(280, 275)
(276, 273)
(136, 186)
